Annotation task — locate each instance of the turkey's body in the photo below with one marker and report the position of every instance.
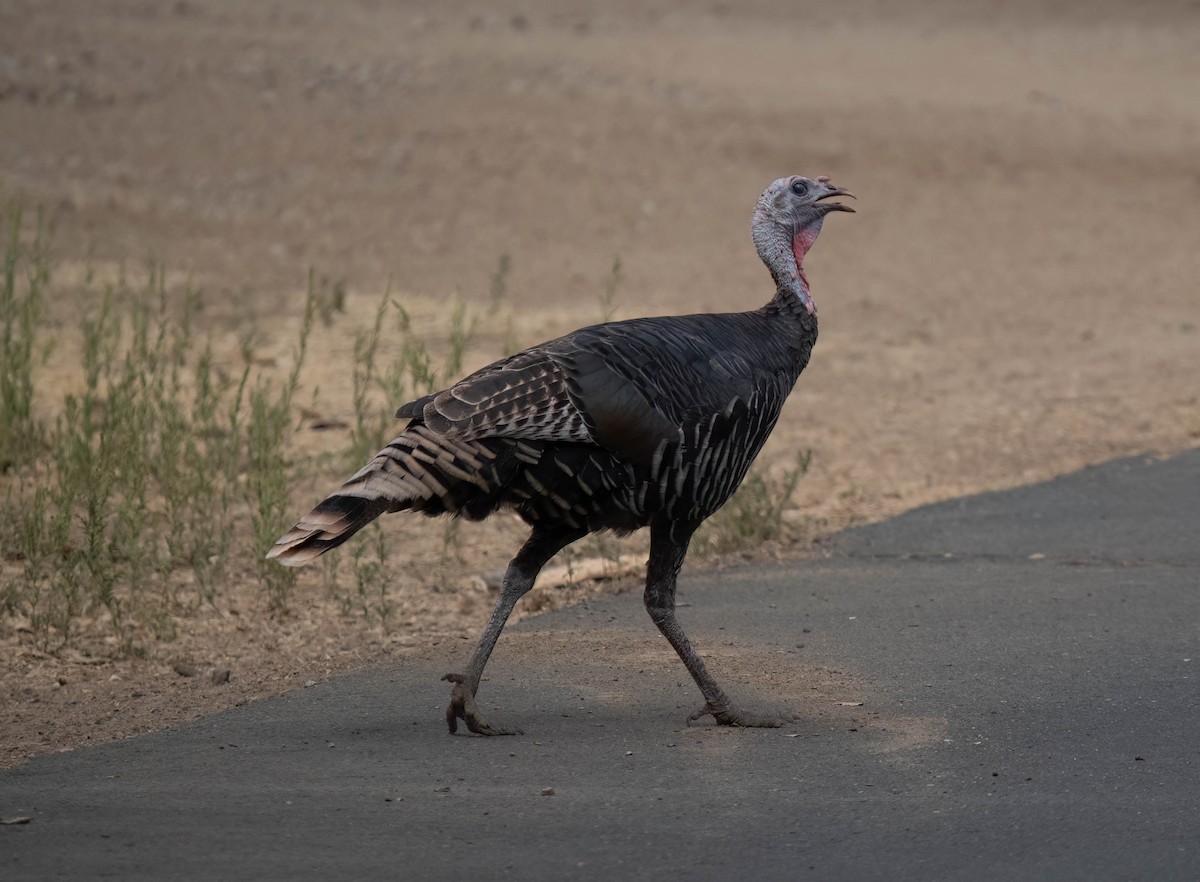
(677, 407)
(648, 422)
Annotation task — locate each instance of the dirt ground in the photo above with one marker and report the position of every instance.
(1016, 297)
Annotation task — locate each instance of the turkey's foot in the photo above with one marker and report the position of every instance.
(728, 715)
(462, 707)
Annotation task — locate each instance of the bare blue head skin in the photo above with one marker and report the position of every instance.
(787, 220)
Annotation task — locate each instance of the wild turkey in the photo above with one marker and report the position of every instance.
(648, 422)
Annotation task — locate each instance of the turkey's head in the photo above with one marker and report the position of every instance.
(787, 220)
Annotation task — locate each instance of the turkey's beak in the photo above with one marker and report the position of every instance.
(836, 206)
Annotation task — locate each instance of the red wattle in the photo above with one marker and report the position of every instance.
(802, 241)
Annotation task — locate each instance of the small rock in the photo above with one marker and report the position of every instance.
(547, 791)
(220, 675)
(183, 669)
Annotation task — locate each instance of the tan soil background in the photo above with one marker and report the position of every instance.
(1016, 297)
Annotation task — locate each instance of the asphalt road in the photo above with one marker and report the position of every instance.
(995, 688)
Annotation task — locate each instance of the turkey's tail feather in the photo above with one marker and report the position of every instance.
(418, 470)
(327, 526)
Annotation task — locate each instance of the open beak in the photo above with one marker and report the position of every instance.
(836, 206)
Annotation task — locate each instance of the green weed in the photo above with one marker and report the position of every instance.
(499, 284)
(26, 271)
(379, 389)
(268, 473)
(608, 299)
(130, 506)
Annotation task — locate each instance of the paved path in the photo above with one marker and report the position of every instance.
(1025, 661)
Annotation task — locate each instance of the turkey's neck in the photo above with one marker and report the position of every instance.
(784, 256)
(792, 320)
(791, 312)
(792, 294)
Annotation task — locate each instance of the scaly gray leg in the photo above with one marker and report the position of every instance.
(518, 579)
(666, 557)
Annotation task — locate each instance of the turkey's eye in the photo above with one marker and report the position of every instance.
(799, 188)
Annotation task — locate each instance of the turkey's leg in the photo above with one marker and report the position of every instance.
(666, 557)
(518, 579)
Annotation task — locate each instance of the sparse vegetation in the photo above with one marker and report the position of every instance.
(25, 274)
(127, 508)
(268, 475)
(372, 419)
(608, 299)
(371, 579)
(498, 300)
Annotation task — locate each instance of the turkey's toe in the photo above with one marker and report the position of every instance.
(462, 707)
(728, 715)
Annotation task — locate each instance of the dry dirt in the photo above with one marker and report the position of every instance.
(1016, 297)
